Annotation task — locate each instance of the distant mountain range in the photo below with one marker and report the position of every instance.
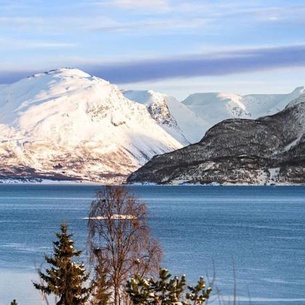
(200, 111)
(269, 150)
(215, 107)
(67, 124)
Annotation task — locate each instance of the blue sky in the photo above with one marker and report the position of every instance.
(178, 47)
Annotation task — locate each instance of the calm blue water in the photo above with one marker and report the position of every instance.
(254, 236)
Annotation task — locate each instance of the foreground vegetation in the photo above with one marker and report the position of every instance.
(124, 261)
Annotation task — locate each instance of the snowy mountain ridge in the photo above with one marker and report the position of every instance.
(268, 150)
(67, 124)
(173, 116)
(215, 107)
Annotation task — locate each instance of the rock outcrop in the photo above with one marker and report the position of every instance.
(269, 150)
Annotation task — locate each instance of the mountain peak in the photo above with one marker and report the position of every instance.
(300, 89)
(64, 72)
(176, 118)
(66, 123)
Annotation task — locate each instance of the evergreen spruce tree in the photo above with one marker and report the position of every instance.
(64, 278)
(166, 290)
(163, 291)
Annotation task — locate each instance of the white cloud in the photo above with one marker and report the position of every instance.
(8, 6)
(141, 3)
(14, 44)
(21, 21)
(290, 14)
(131, 4)
(151, 24)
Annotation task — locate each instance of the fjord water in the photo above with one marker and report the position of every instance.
(249, 237)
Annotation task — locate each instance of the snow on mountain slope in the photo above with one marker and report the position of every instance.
(299, 99)
(268, 104)
(215, 107)
(267, 150)
(68, 123)
(173, 116)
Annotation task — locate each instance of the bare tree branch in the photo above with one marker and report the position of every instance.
(119, 239)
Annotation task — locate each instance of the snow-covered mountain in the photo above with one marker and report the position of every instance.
(188, 121)
(268, 150)
(67, 124)
(173, 116)
(215, 107)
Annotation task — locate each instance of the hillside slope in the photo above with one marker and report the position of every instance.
(67, 124)
(238, 151)
(215, 107)
(173, 116)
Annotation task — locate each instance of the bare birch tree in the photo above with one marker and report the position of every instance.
(120, 241)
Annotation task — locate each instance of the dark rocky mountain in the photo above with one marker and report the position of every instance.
(269, 150)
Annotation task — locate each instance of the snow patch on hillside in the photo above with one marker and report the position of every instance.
(216, 107)
(173, 116)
